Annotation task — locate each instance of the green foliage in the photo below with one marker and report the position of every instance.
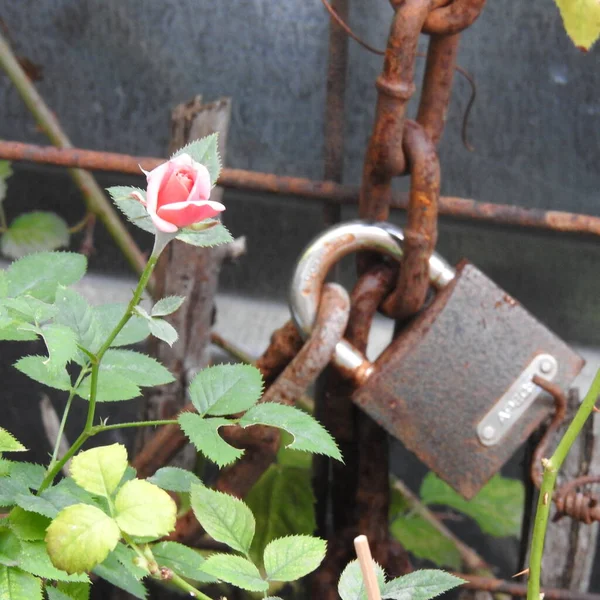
(226, 389)
(114, 572)
(34, 559)
(9, 443)
(100, 470)
(159, 328)
(292, 557)
(351, 585)
(28, 526)
(582, 21)
(174, 479)
(208, 238)
(424, 541)
(143, 509)
(282, 502)
(225, 518)
(236, 570)
(497, 508)
(166, 306)
(309, 435)
(206, 152)
(39, 275)
(112, 387)
(75, 312)
(62, 346)
(80, 537)
(204, 434)
(418, 585)
(131, 207)
(19, 585)
(184, 561)
(76, 591)
(108, 315)
(36, 367)
(34, 232)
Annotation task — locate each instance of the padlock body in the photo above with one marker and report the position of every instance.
(461, 368)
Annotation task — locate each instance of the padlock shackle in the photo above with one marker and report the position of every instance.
(325, 251)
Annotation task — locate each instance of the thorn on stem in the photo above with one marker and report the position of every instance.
(546, 497)
(523, 572)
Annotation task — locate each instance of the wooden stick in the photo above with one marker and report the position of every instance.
(361, 544)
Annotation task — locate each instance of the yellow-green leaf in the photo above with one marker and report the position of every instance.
(582, 21)
(143, 509)
(100, 470)
(80, 537)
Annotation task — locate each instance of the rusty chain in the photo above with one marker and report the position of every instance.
(398, 145)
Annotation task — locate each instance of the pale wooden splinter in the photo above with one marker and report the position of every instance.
(367, 566)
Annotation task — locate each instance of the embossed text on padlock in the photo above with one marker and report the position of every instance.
(455, 386)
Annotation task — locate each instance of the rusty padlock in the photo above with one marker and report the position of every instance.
(456, 385)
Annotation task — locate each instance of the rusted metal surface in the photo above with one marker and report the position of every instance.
(325, 191)
(453, 17)
(356, 497)
(420, 234)
(489, 584)
(569, 502)
(474, 341)
(437, 84)
(259, 442)
(395, 86)
(170, 439)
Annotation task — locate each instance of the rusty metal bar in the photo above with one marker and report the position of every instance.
(325, 191)
(489, 584)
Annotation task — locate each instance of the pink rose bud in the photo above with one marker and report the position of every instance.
(177, 194)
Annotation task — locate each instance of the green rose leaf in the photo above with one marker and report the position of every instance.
(34, 232)
(204, 434)
(309, 435)
(62, 345)
(174, 479)
(19, 585)
(10, 548)
(9, 443)
(167, 306)
(131, 207)
(112, 387)
(34, 559)
(108, 315)
(226, 389)
(292, 557)
(143, 509)
(420, 585)
(206, 152)
(80, 537)
(235, 570)
(76, 591)
(351, 585)
(114, 572)
(282, 503)
(497, 508)
(163, 330)
(139, 368)
(225, 518)
(423, 540)
(100, 470)
(28, 526)
(76, 313)
(40, 274)
(184, 561)
(30, 308)
(214, 236)
(36, 368)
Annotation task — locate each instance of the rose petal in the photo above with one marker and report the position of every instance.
(155, 179)
(172, 190)
(163, 225)
(184, 160)
(184, 214)
(202, 186)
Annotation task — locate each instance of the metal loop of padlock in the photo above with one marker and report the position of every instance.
(456, 384)
(325, 251)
